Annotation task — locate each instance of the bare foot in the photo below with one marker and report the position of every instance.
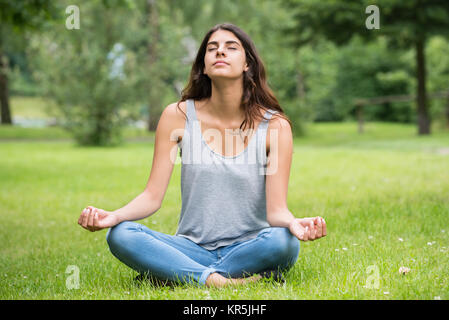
(217, 280)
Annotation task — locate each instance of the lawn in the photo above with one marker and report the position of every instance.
(384, 195)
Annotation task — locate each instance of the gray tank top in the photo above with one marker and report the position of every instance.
(223, 197)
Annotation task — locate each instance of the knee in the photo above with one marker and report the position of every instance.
(283, 245)
(117, 234)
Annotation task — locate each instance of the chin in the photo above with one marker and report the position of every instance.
(224, 75)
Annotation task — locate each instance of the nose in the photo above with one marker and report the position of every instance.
(220, 51)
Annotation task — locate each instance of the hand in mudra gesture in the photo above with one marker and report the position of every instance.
(306, 229)
(94, 219)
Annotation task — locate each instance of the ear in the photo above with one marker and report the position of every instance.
(246, 67)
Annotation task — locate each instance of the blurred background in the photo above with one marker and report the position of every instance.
(98, 71)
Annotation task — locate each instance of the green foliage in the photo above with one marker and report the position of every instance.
(404, 24)
(438, 75)
(95, 72)
(23, 15)
(371, 70)
(317, 81)
(338, 20)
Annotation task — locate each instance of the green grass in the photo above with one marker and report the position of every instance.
(32, 107)
(373, 189)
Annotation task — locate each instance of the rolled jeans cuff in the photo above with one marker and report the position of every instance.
(206, 274)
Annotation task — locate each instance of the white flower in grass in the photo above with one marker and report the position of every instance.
(337, 249)
(370, 237)
(404, 270)
(431, 243)
(386, 292)
(400, 239)
(443, 231)
(437, 298)
(355, 244)
(344, 249)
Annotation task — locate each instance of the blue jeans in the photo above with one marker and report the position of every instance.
(176, 258)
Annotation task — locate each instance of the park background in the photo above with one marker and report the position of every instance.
(370, 115)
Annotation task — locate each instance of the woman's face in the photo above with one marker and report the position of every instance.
(225, 56)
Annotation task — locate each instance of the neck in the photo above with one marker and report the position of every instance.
(225, 100)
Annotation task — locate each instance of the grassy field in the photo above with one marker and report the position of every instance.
(384, 194)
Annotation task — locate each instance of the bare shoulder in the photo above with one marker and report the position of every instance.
(281, 128)
(174, 116)
(172, 120)
(279, 122)
(174, 112)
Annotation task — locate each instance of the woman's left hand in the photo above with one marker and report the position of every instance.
(308, 228)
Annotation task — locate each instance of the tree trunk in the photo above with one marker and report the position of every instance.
(422, 108)
(4, 95)
(154, 94)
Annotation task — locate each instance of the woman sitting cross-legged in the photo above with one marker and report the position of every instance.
(236, 150)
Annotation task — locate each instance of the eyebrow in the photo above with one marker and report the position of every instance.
(227, 42)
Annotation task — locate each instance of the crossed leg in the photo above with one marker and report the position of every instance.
(178, 259)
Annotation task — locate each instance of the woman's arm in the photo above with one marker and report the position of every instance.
(165, 150)
(170, 127)
(280, 143)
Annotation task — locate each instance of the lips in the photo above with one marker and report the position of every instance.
(220, 62)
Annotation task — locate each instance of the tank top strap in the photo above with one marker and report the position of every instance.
(268, 115)
(262, 136)
(191, 114)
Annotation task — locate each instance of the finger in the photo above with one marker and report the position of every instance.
(301, 235)
(80, 219)
(324, 227)
(312, 230)
(90, 222)
(319, 228)
(96, 223)
(306, 234)
(85, 218)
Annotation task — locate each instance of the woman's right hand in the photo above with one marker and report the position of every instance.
(94, 219)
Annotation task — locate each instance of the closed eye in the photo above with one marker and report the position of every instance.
(210, 49)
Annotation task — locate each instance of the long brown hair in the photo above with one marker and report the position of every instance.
(256, 92)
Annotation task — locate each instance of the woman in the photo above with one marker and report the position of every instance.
(235, 226)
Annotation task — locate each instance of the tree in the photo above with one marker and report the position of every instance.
(18, 17)
(406, 24)
(90, 73)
